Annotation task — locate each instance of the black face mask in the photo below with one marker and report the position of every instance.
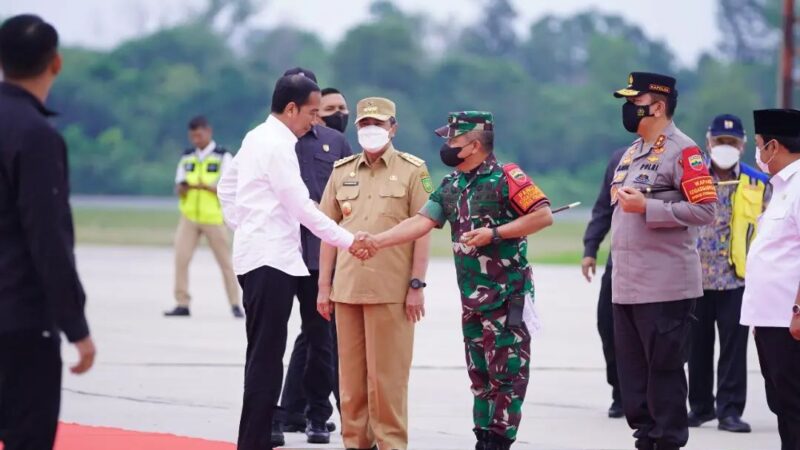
(450, 156)
(337, 121)
(633, 114)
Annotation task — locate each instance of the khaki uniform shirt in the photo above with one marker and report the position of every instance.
(374, 198)
(655, 254)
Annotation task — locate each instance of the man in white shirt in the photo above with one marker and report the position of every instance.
(771, 301)
(265, 201)
(196, 181)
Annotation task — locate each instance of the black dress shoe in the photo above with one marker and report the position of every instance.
(615, 410)
(695, 420)
(277, 439)
(179, 311)
(734, 424)
(330, 426)
(317, 433)
(237, 311)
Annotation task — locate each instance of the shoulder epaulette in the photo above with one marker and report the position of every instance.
(187, 152)
(221, 150)
(345, 160)
(412, 159)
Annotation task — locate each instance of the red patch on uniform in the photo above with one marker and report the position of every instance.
(525, 196)
(696, 182)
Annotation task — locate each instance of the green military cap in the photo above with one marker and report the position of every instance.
(461, 122)
(375, 107)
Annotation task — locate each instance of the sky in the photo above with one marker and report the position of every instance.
(688, 27)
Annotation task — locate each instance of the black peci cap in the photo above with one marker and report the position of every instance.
(777, 122)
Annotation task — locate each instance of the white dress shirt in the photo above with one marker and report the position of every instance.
(772, 275)
(264, 200)
(202, 153)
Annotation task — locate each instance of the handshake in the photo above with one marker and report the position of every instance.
(364, 246)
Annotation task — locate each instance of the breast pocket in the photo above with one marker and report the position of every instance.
(323, 166)
(394, 200)
(347, 198)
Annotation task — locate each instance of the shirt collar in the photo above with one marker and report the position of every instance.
(386, 156)
(737, 170)
(787, 172)
(488, 165)
(208, 149)
(16, 91)
(279, 127)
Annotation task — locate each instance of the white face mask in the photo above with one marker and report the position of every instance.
(373, 138)
(725, 156)
(764, 166)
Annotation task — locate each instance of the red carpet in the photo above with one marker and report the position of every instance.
(81, 437)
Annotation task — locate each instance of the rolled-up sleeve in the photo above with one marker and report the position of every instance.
(43, 202)
(433, 208)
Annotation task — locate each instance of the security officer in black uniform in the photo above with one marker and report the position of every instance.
(596, 231)
(40, 293)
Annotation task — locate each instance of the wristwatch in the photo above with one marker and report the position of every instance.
(416, 283)
(496, 239)
(796, 309)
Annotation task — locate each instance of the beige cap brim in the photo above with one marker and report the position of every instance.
(381, 117)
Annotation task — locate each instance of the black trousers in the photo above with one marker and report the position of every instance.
(605, 326)
(30, 389)
(779, 355)
(267, 299)
(724, 309)
(652, 346)
(313, 367)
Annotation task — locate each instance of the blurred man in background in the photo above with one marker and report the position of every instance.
(333, 109)
(723, 246)
(40, 292)
(596, 231)
(196, 178)
(311, 376)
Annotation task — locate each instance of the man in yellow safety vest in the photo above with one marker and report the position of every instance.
(723, 247)
(199, 170)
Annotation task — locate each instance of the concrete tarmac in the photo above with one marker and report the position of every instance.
(184, 376)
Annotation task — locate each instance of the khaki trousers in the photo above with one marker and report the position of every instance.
(186, 239)
(376, 343)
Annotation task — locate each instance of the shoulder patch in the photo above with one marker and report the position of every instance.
(412, 159)
(344, 161)
(696, 183)
(524, 195)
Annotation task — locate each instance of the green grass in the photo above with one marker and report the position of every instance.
(560, 244)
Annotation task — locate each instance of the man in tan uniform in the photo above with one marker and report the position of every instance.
(376, 301)
(196, 178)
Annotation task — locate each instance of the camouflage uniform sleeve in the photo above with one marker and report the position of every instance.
(689, 176)
(434, 208)
(328, 204)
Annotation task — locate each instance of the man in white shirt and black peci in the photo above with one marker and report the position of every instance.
(264, 200)
(771, 300)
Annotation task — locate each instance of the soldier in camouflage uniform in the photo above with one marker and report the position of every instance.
(491, 209)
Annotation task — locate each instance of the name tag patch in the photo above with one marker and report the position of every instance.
(351, 183)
